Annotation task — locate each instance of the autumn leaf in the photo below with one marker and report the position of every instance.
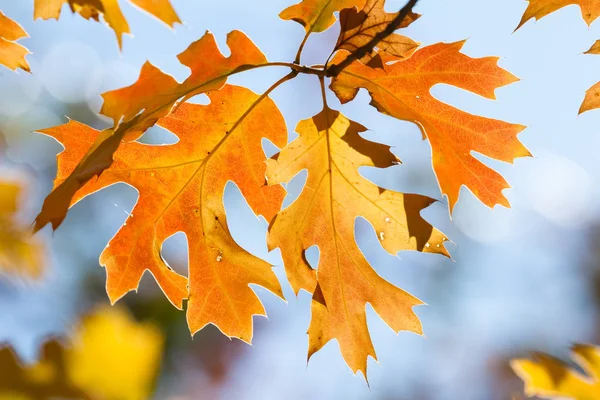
(331, 149)
(595, 49)
(590, 10)
(108, 9)
(591, 100)
(550, 378)
(137, 107)
(108, 356)
(357, 28)
(536, 9)
(20, 252)
(181, 189)
(12, 55)
(402, 89)
(317, 15)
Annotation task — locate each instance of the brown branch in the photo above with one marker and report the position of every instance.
(362, 51)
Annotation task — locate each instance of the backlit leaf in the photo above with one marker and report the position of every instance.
(181, 189)
(359, 27)
(590, 10)
(536, 9)
(331, 149)
(12, 55)
(592, 96)
(108, 9)
(317, 15)
(137, 107)
(595, 49)
(402, 89)
(591, 100)
(549, 378)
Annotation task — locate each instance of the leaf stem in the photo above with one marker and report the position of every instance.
(313, 70)
(335, 69)
(323, 93)
(301, 47)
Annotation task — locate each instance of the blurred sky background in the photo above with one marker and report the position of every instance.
(520, 279)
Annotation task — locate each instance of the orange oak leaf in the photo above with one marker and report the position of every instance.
(359, 27)
(595, 49)
(550, 378)
(536, 9)
(590, 10)
(402, 89)
(137, 107)
(591, 100)
(12, 55)
(109, 9)
(20, 252)
(108, 356)
(331, 149)
(317, 15)
(181, 189)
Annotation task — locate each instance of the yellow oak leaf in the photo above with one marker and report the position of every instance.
(317, 15)
(331, 149)
(20, 252)
(590, 9)
(137, 107)
(402, 89)
(550, 378)
(109, 356)
(12, 55)
(357, 28)
(181, 189)
(109, 9)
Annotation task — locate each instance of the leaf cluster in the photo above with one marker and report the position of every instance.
(181, 185)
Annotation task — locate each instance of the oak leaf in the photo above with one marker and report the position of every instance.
(108, 356)
(181, 189)
(591, 100)
(317, 15)
(335, 194)
(402, 89)
(357, 28)
(595, 49)
(137, 107)
(12, 54)
(20, 252)
(109, 9)
(590, 9)
(550, 378)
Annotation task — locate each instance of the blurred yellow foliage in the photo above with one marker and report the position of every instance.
(550, 378)
(20, 252)
(108, 357)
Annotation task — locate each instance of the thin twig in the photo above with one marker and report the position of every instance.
(299, 52)
(323, 91)
(362, 51)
